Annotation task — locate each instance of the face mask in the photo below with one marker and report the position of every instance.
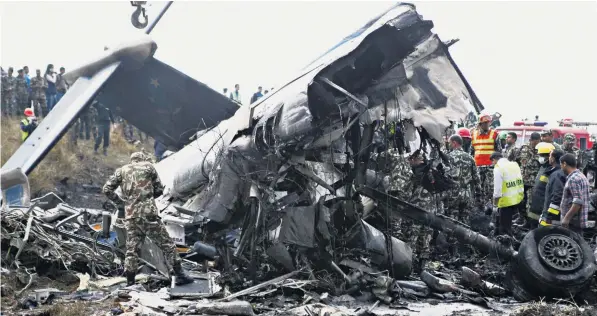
(541, 160)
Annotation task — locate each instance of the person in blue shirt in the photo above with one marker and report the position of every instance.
(28, 80)
(257, 95)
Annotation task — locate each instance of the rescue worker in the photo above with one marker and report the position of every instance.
(485, 142)
(22, 94)
(104, 120)
(547, 137)
(140, 184)
(38, 93)
(466, 139)
(9, 105)
(529, 166)
(538, 193)
(404, 185)
(28, 124)
(461, 200)
(502, 136)
(508, 191)
(553, 191)
(570, 145)
(511, 152)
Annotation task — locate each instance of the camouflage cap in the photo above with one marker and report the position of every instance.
(138, 156)
(547, 132)
(569, 137)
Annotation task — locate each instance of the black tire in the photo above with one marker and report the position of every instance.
(543, 280)
(514, 284)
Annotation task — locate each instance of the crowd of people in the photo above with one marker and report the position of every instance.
(40, 93)
(36, 97)
(236, 96)
(540, 183)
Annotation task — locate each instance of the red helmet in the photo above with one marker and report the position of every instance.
(29, 112)
(464, 132)
(486, 118)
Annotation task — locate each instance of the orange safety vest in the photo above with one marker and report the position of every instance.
(484, 146)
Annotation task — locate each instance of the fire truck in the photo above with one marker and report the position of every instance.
(524, 129)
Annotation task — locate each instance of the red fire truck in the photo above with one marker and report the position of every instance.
(524, 130)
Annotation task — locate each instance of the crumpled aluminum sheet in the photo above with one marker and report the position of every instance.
(185, 170)
(426, 89)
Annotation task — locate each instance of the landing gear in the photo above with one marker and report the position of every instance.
(554, 262)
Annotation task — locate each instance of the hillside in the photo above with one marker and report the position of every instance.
(73, 172)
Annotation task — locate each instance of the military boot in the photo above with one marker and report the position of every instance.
(181, 276)
(130, 278)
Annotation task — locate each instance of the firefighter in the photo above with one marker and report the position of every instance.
(485, 142)
(466, 139)
(537, 196)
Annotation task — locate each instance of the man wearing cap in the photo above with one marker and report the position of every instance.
(140, 185)
(28, 124)
(484, 142)
(570, 145)
(22, 92)
(547, 137)
(529, 167)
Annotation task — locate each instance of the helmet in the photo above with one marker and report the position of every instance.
(503, 134)
(464, 132)
(544, 148)
(29, 112)
(486, 118)
(138, 156)
(569, 137)
(547, 132)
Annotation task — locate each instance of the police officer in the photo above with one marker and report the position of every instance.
(140, 184)
(538, 193)
(508, 191)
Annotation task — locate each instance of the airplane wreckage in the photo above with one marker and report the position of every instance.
(287, 184)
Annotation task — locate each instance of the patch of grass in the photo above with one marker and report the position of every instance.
(66, 160)
(70, 309)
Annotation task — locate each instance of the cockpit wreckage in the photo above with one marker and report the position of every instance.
(298, 182)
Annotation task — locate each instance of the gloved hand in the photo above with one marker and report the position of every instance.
(32, 119)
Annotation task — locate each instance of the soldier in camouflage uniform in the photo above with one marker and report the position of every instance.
(9, 105)
(38, 93)
(547, 136)
(570, 145)
(22, 92)
(462, 200)
(140, 184)
(529, 167)
(403, 184)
